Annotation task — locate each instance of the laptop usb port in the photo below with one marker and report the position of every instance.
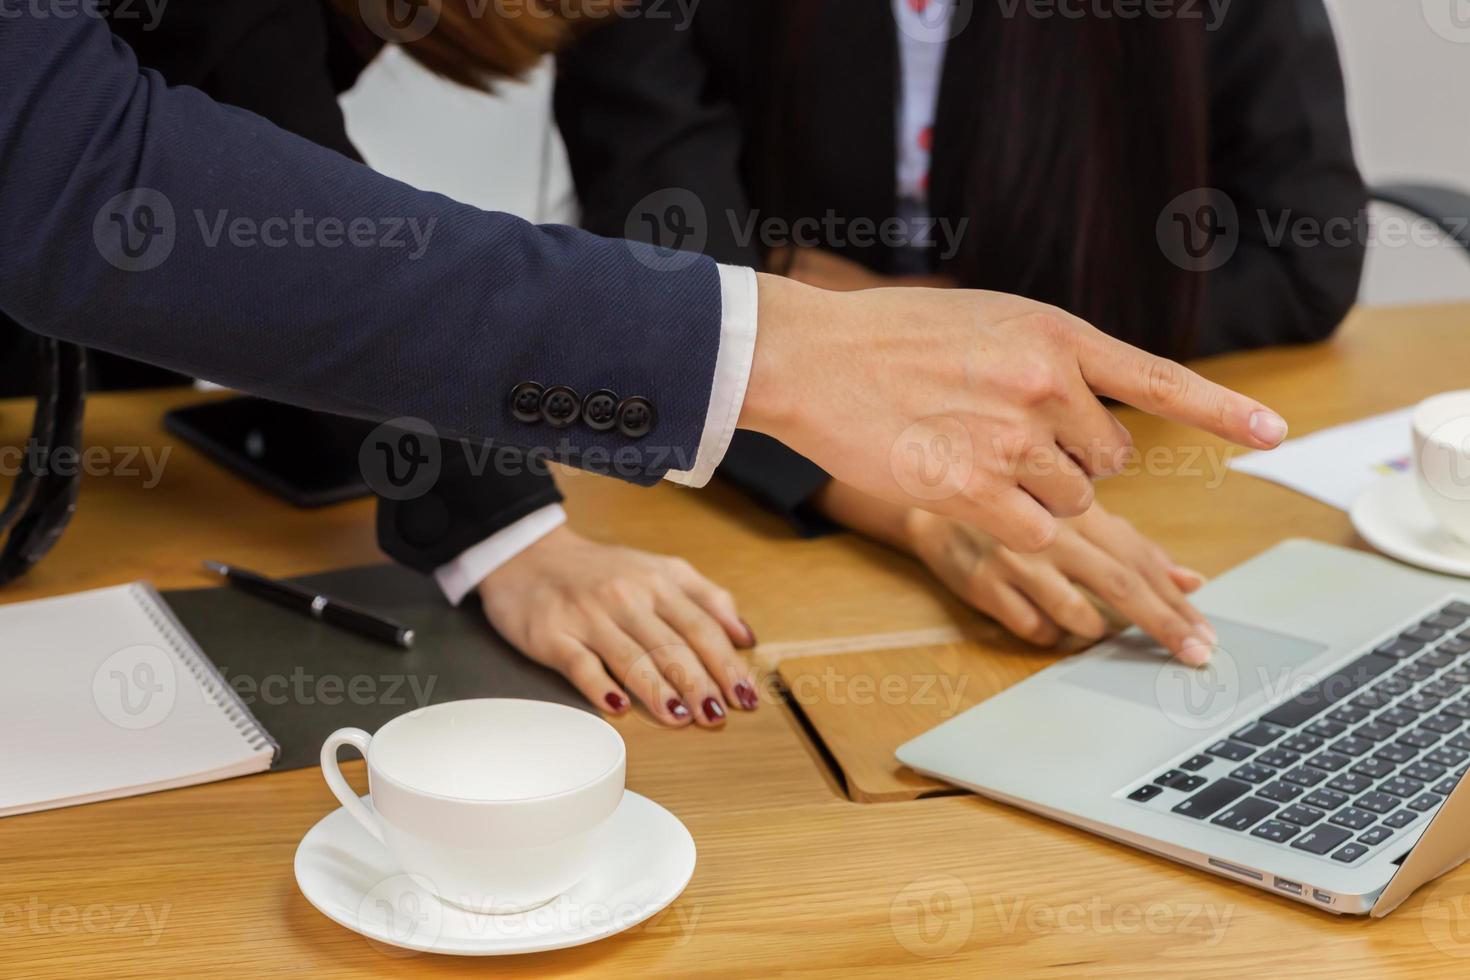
(1288, 886)
(1321, 896)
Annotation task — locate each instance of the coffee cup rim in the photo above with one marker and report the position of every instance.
(1425, 418)
(620, 760)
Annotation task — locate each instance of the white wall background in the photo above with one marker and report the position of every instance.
(1408, 72)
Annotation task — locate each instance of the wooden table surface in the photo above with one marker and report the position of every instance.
(794, 878)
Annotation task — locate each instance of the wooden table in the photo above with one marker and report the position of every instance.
(794, 878)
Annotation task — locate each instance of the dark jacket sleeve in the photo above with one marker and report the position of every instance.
(479, 491)
(1282, 151)
(118, 200)
(220, 46)
(647, 130)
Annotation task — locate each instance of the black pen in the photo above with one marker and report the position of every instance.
(308, 603)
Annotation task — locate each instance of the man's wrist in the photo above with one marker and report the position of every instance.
(787, 310)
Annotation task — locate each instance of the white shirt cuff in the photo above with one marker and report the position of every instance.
(732, 373)
(464, 574)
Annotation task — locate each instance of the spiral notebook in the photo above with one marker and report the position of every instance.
(104, 694)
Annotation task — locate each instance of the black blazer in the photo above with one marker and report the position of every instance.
(287, 60)
(644, 105)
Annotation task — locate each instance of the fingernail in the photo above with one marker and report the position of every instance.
(616, 701)
(1195, 652)
(1197, 576)
(677, 708)
(745, 694)
(1268, 427)
(712, 709)
(750, 640)
(1208, 632)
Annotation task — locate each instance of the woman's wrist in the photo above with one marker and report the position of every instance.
(890, 524)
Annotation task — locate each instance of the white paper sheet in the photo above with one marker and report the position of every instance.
(1337, 464)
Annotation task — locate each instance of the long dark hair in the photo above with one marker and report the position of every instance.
(1078, 131)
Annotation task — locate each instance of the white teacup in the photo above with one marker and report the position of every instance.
(495, 805)
(1442, 459)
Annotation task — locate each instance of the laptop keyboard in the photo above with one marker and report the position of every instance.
(1347, 764)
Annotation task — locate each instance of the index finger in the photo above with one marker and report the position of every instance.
(1162, 387)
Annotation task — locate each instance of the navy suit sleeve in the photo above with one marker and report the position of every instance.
(157, 224)
(622, 93)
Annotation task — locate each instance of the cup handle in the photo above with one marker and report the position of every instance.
(358, 739)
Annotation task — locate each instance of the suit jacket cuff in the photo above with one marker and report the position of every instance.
(732, 373)
(461, 576)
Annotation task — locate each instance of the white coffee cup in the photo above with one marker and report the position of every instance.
(1442, 459)
(495, 805)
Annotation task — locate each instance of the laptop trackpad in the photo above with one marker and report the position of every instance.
(1247, 661)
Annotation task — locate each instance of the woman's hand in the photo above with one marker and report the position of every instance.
(1043, 597)
(613, 620)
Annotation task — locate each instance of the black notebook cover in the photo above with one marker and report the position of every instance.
(303, 679)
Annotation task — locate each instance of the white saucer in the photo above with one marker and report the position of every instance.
(645, 861)
(1392, 517)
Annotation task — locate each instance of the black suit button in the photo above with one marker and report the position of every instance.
(636, 417)
(525, 402)
(560, 406)
(600, 410)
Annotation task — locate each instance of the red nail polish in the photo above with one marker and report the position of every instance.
(745, 694)
(616, 701)
(749, 633)
(712, 709)
(677, 708)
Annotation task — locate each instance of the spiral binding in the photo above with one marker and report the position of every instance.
(205, 672)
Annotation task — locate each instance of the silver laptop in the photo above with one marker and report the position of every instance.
(1318, 755)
